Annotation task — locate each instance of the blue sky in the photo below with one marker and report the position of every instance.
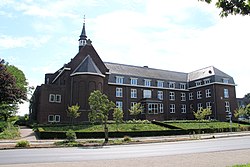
(40, 36)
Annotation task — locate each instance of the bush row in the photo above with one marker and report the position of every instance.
(81, 135)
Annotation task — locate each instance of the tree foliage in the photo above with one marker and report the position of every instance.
(232, 7)
(73, 113)
(202, 113)
(240, 112)
(100, 107)
(136, 109)
(117, 116)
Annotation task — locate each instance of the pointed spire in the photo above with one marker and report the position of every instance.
(83, 36)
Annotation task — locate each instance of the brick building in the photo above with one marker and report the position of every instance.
(164, 94)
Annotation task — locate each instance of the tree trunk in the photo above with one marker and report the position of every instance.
(106, 132)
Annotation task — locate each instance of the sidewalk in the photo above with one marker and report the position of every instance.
(29, 135)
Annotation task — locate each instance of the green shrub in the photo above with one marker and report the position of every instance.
(70, 135)
(10, 132)
(23, 143)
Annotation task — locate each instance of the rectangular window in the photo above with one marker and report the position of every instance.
(153, 108)
(226, 93)
(206, 81)
(147, 82)
(172, 108)
(118, 92)
(227, 106)
(57, 118)
(147, 93)
(160, 84)
(119, 104)
(208, 93)
(208, 105)
(199, 95)
(182, 86)
(119, 79)
(133, 81)
(51, 118)
(225, 80)
(52, 98)
(58, 98)
(132, 104)
(198, 83)
(199, 106)
(183, 108)
(161, 108)
(171, 85)
(183, 96)
(171, 96)
(160, 95)
(191, 96)
(133, 93)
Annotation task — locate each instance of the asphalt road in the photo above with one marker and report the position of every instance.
(126, 152)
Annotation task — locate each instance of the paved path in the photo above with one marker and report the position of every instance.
(27, 133)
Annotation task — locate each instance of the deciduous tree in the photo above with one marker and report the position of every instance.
(73, 113)
(136, 109)
(117, 116)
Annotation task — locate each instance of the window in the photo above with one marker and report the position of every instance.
(153, 108)
(191, 96)
(172, 108)
(199, 95)
(133, 103)
(171, 85)
(182, 86)
(199, 106)
(160, 84)
(225, 80)
(227, 106)
(208, 105)
(133, 81)
(57, 118)
(52, 98)
(119, 79)
(147, 82)
(226, 93)
(161, 108)
(171, 96)
(183, 96)
(58, 98)
(206, 81)
(183, 108)
(198, 83)
(133, 93)
(51, 118)
(147, 93)
(160, 95)
(208, 93)
(118, 92)
(119, 104)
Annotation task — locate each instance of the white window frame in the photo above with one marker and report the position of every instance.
(183, 96)
(199, 106)
(160, 95)
(171, 95)
(171, 85)
(51, 116)
(119, 79)
(52, 98)
(183, 108)
(133, 81)
(57, 118)
(133, 93)
(172, 108)
(225, 80)
(147, 93)
(58, 98)
(227, 106)
(119, 104)
(198, 83)
(147, 82)
(161, 109)
(199, 94)
(208, 93)
(118, 92)
(226, 93)
(191, 96)
(207, 81)
(209, 105)
(152, 108)
(160, 84)
(183, 86)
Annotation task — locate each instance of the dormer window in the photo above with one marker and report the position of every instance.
(207, 81)
(182, 86)
(160, 84)
(198, 83)
(119, 79)
(133, 81)
(171, 85)
(225, 80)
(147, 82)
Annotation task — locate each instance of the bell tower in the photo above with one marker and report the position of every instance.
(83, 36)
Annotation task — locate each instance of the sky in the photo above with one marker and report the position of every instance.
(41, 36)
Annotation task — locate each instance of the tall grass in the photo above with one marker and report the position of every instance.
(10, 132)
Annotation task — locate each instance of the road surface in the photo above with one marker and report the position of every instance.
(235, 147)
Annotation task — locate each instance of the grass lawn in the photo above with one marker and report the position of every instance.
(112, 128)
(202, 125)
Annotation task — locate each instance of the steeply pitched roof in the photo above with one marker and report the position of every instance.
(87, 66)
(206, 72)
(129, 70)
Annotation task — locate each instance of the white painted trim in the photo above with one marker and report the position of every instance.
(87, 73)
